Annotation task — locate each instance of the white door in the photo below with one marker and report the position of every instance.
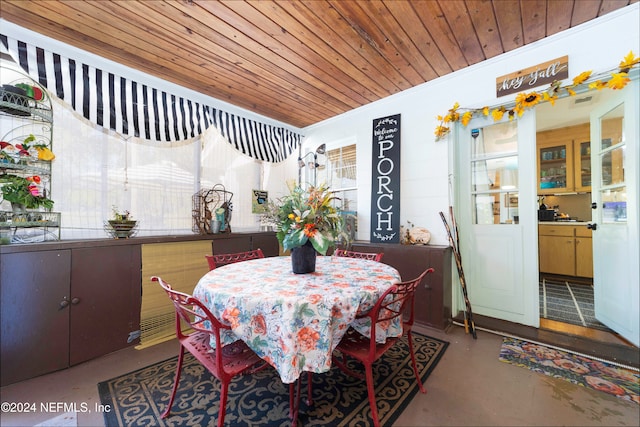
(615, 175)
(496, 216)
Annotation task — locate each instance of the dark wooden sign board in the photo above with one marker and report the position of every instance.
(385, 180)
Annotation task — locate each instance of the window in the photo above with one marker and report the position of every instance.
(494, 166)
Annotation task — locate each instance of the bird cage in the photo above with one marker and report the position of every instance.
(212, 209)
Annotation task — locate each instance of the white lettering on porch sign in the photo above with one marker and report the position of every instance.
(385, 180)
(538, 75)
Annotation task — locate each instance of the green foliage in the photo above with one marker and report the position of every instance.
(308, 215)
(17, 189)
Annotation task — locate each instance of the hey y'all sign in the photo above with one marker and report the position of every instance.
(536, 76)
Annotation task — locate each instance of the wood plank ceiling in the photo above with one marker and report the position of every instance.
(301, 62)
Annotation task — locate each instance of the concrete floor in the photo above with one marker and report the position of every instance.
(469, 387)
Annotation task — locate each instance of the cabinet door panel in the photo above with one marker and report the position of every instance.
(35, 328)
(267, 242)
(433, 295)
(107, 283)
(557, 255)
(584, 257)
(231, 244)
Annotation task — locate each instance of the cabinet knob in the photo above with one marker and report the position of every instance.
(64, 303)
(75, 301)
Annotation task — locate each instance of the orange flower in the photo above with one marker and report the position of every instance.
(259, 325)
(310, 230)
(307, 338)
(231, 315)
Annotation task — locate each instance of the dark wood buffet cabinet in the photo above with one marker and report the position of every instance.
(66, 302)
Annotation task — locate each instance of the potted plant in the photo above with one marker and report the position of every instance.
(24, 192)
(121, 226)
(308, 223)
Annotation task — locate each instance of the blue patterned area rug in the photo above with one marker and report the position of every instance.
(140, 397)
(584, 371)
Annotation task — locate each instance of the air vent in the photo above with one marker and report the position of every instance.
(583, 100)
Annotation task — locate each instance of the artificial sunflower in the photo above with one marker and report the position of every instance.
(528, 99)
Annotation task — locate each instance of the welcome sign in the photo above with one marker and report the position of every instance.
(385, 180)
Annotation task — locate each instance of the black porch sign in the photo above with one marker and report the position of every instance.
(385, 180)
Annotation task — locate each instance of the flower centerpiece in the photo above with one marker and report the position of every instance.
(24, 192)
(308, 223)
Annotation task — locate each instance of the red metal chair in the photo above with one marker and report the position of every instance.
(398, 299)
(224, 259)
(363, 255)
(234, 359)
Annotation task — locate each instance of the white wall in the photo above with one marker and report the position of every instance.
(598, 45)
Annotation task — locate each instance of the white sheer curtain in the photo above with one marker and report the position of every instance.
(95, 170)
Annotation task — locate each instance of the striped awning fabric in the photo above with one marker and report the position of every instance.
(134, 109)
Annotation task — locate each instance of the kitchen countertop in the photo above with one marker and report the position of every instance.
(563, 222)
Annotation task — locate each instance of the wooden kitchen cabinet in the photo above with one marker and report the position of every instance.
(564, 160)
(565, 250)
(557, 250)
(584, 252)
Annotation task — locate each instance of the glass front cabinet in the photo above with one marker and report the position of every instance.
(564, 160)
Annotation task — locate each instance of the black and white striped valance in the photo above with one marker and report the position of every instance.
(136, 109)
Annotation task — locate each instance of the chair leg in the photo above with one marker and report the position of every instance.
(413, 363)
(224, 391)
(372, 394)
(295, 390)
(310, 385)
(176, 382)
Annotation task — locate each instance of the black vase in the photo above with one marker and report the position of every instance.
(303, 259)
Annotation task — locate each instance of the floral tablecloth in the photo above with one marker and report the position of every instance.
(295, 321)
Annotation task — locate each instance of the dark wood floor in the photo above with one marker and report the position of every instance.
(590, 342)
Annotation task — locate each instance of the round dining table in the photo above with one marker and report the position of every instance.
(295, 321)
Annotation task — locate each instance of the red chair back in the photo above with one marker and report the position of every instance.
(192, 312)
(223, 362)
(362, 255)
(397, 301)
(224, 259)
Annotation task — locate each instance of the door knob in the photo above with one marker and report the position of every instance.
(592, 226)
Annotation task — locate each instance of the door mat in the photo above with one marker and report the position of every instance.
(620, 382)
(140, 397)
(568, 302)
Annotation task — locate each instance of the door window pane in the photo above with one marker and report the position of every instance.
(585, 164)
(494, 174)
(614, 205)
(494, 140)
(613, 167)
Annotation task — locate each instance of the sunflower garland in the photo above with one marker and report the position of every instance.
(617, 80)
